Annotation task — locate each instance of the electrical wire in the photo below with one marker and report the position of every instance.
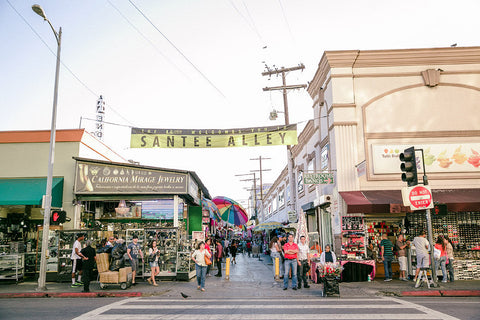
(148, 40)
(62, 63)
(178, 50)
(250, 23)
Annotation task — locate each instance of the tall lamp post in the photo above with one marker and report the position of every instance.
(48, 193)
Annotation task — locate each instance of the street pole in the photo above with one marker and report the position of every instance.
(284, 88)
(261, 183)
(51, 159)
(432, 244)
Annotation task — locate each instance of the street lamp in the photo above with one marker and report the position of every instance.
(48, 193)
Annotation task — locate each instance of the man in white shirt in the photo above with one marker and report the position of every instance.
(303, 263)
(77, 260)
(421, 247)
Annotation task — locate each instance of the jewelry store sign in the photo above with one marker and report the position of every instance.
(98, 178)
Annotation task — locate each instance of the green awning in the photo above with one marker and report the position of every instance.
(30, 191)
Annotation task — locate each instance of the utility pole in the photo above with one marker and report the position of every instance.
(284, 87)
(254, 188)
(261, 182)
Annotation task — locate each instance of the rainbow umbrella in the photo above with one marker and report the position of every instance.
(231, 211)
(209, 206)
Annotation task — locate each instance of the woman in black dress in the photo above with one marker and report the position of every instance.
(233, 251)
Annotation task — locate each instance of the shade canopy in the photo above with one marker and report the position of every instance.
(30, 191)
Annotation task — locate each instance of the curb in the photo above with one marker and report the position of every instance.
(442, 293)
(69, 294)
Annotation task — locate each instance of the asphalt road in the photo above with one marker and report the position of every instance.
(298, 307)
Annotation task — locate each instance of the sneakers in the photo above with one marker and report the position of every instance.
(80, 283)
(285, 288)
(404, 279)
(387, 280)
(76, 284)
(294, 288)
(306, 286)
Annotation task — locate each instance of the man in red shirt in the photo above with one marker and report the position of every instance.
(290, 250)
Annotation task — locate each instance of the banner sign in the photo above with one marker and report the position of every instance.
(214, 138)
(439, 158)
(97, 178)
(318, 178)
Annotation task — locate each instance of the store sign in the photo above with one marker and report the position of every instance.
(97, 178)
(292, 216)
(318, 178)
(439, 158)
(214, 138)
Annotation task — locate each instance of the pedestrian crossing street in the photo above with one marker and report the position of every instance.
(259, 308)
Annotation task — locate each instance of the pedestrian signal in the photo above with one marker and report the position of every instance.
(57, 217)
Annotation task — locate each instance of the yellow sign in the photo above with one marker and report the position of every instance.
(214, 138)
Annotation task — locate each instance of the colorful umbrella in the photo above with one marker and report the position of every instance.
(267, 226)
(231, 211)
(209, 206)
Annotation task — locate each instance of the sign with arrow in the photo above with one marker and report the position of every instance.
(318, 178)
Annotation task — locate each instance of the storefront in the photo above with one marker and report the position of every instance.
(158, 204)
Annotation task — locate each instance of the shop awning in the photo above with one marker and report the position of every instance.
(378, 201)
(29, 191)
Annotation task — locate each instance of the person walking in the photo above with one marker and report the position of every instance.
(387, 256)
(208, 243)
(450, 258)
(76, 258)
(133, 251)
(233, 251)
(218, 257)
(249, 248)
(402, 246)
(303, 263)
(421, 247)
(153, 253)
(198, 257)
(274, 253)
(280, 244)
(89, 258)
(442, 260)
(290, 250)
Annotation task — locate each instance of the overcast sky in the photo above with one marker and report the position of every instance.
(206, 75)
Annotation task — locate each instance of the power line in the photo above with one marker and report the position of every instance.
(63, 64)
(178, 50)
(148, 40)
(250, 23)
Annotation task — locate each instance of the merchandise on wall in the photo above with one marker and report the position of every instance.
(353, 238)
(463, 229)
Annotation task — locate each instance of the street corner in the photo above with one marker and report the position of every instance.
(11, 295)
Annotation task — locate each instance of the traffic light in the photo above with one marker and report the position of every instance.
(409, 167)
(57, 217)
(440, 210)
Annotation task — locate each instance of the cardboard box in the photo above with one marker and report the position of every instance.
(125, 274)
(103, 262)
(109, 277)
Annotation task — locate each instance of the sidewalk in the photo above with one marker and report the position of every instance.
(250, 277)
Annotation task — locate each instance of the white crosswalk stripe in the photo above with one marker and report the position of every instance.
(263, 308)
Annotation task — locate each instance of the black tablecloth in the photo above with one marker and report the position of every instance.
(356, 272)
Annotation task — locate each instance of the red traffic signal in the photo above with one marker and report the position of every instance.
(57, 217)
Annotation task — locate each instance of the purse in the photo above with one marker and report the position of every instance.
(208, 261)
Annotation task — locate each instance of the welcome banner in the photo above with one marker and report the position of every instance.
(214, 138)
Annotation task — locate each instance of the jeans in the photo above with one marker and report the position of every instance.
(450, 270)
(201, 275)
(277, 255)
(387, 265)
(442, 261)
(302, 273)
(290, 264)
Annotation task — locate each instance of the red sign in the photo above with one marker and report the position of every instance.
(420, 197)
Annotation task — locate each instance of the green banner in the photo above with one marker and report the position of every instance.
(214, 138)
(318, 178)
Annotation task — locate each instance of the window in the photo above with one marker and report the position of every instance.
(300, 181)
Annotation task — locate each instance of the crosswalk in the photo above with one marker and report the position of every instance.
(149, 308)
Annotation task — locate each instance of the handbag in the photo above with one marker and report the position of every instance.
(208, 261)
(436, 253)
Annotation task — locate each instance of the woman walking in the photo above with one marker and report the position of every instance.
(208, 243)
(450, 258)
(440, 245)
(233, 251)
(153, 261)
(275, 253)
(198, 257)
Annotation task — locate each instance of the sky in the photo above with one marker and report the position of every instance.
(197, 64)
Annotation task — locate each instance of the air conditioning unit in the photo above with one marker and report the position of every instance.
(323, 199)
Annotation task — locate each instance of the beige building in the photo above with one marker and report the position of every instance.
(24, 164)
(368, 106)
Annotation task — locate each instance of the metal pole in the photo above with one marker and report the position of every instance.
(48, 193)
(432, 243)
